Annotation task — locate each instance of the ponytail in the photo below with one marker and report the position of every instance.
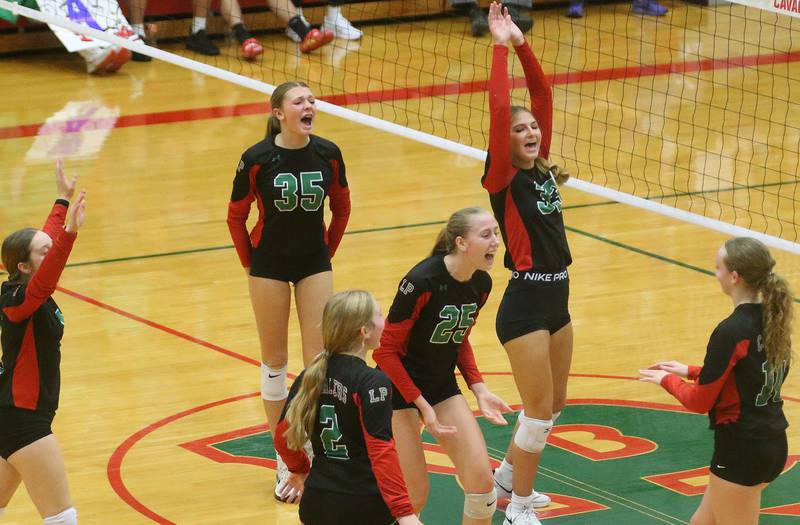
(777, 311)
(559, 174)
(458, 225)
(302, 411)
(343, 318)
(273, 126)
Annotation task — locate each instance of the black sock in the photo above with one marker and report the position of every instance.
(241, 32)
(299, 26)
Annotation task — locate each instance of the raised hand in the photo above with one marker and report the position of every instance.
(76, 211)
(673, 367)
(64, 188)
(498, 25)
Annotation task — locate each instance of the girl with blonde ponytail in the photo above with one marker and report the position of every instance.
(739, 384)
(345, 408)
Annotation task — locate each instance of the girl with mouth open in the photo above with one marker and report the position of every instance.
(426, 337)
(533, 321)
(288, 174)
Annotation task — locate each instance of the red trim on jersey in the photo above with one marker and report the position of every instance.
(386, 467)
(394, 345)
(44, 281)
(702, 398)
(55, 221)
(296, 460)
(238, 211)
(500, 170)
(541, 96)
(518, 242)
(467, 365)
(694, 372)
(340, 210)
(25, 381)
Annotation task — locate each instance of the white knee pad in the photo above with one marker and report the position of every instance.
(273, 383)
(68, 517)
(532, 433)
(480, 506)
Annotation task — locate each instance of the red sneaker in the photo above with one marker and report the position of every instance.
(315, 39)
(121, 57)
(251, 48)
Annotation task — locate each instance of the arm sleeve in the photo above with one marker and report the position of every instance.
(242, 196)
(500, 171)
(722, 355)
(411, 297)
(339, 203)
(694, 372)
(44, 281)
(374, 402)
(55, 221)
(541, 95)
(296, 460)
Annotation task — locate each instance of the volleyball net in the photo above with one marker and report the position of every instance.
(694, 114)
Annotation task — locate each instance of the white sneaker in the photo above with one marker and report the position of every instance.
(523, 516)
(342, 28)
(280, 480)
(539, 499)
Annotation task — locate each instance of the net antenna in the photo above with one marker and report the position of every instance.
(617, 181)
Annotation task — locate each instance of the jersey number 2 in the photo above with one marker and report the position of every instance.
(331, 434)
(311, 193)
(771, 389)
(454, 324)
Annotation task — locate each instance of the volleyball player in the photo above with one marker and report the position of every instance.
(30, 379)
(345, 408)
(533, 321)
(288, 174)
(739, 384)
(426, 337)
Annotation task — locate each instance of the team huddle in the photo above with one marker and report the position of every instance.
(347, 435)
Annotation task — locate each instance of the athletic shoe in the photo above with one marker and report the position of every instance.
(293, 36)
(315, 39)
(523, 516)
(575, 10)
(522, 21)
(139, 57)
(341, 28)
(105, 59)
(122, 56)
(201, 43)
(648, 7)
(539, 499)
(478, 22)
(251, 48)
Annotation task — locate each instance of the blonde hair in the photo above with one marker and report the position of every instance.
(751, 259)
(560, 175)
(276, 101)
(345, 314)
(458, 225)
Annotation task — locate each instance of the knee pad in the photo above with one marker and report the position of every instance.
(273, 383)
(532, 433)
(68, 517)
(480, 506)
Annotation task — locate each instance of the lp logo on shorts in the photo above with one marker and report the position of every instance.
(551, 200)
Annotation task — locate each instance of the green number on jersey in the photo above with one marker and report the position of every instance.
(453, 317)
(773, 381)
(311, 194)
(331, 434)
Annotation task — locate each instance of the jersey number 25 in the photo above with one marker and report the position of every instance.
(454, 324)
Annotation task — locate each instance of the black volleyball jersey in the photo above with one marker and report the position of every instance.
(31, 327)
(525, 202)
(735, 385)
(289, 186)
(427, 329)
(353, 445)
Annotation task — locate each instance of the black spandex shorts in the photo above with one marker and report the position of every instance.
(20, 427)
(533, 301)
(321, 507)
(289, 268)
(434, 392)
(746, 461)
